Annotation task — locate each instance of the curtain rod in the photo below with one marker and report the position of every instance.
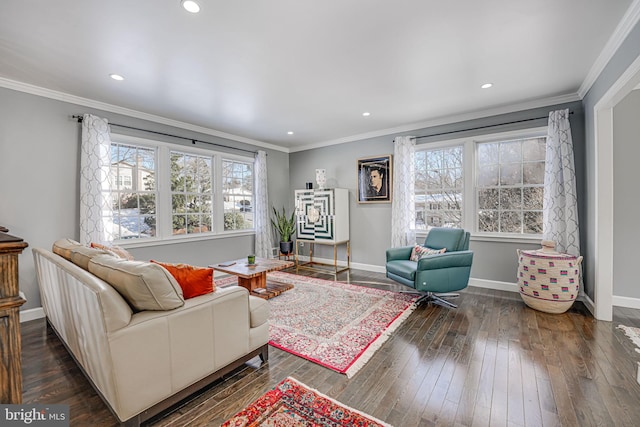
(193, 140)
(483, 127)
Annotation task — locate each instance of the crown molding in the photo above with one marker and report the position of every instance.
(628, 21)
(527, 105)
(85, 102)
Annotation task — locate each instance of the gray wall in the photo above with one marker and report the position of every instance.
(619, 63)
(370, 224)
(39, 182)
(626, 235)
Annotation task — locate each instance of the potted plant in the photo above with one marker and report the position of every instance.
(286, 227)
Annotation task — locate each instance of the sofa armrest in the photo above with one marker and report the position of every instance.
(446, 260)
(402, 253)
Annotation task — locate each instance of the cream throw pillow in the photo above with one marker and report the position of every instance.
(144, 285)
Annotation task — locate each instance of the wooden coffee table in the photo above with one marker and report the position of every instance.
(254, 278)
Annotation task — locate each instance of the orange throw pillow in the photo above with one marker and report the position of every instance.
(194, 281)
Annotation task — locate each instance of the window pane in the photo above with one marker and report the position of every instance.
(488, 199)
(511, 198)
(434, 160)
(532, 197)
(533, 222)
(533, 173)
(452, 178)
(488, 154)
(434, 179)
(510, 222)
(453, 157)
(488, 176)
(534, 149)
(511, 174)
(488, 221)
(510, 152)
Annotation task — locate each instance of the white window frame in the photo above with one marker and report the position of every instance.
(469, 194)
(163, 202)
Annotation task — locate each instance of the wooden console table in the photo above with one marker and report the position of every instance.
(10, 302)
(309, 265)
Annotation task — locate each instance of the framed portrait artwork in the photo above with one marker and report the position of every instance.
(374, 179)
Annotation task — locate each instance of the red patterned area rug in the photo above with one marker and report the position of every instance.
(292, 403)
(334, 324)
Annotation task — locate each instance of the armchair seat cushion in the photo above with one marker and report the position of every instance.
(403, 268)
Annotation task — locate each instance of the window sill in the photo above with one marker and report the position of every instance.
(498, 238)
(172, 240)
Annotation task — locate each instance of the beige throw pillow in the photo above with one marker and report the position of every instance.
(76, 252)
(63, 247)
(144, 285)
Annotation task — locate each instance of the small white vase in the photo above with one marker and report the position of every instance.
(321, 178)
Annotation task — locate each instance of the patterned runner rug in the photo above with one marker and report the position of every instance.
(334, 324)
(292, 403)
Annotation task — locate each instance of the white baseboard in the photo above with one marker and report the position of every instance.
(626, 302)
(493, 284)
(31, 314)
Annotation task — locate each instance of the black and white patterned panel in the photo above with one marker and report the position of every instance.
(325, 204)
(304, 205)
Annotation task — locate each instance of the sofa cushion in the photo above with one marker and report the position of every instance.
(403, 268)
(259, 310)
(194, 281)
(145, 286)
(76, 252)
(421, 251)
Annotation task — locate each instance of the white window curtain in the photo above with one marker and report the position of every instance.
(96, 215)
(560, 208)
(403, 199)
(262, 221)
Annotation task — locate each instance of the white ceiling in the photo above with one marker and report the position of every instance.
(258, 69)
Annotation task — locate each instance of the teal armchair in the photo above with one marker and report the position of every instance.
(434, 274)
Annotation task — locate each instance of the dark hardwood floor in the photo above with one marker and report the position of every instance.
(492, 361)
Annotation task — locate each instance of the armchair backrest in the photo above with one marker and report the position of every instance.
(454, 239)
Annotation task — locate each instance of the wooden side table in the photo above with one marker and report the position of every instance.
(10, 302)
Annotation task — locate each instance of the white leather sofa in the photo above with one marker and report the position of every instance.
(143, 362)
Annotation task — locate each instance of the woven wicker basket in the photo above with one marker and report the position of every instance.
(548, 281)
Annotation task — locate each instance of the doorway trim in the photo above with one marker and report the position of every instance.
(604, 140)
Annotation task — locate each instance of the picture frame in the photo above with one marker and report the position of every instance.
(375, 176)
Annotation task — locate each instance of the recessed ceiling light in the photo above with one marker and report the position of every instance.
(289, 133)
(190, 6)
(366, 114)
(486, 85)
(116, 77)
